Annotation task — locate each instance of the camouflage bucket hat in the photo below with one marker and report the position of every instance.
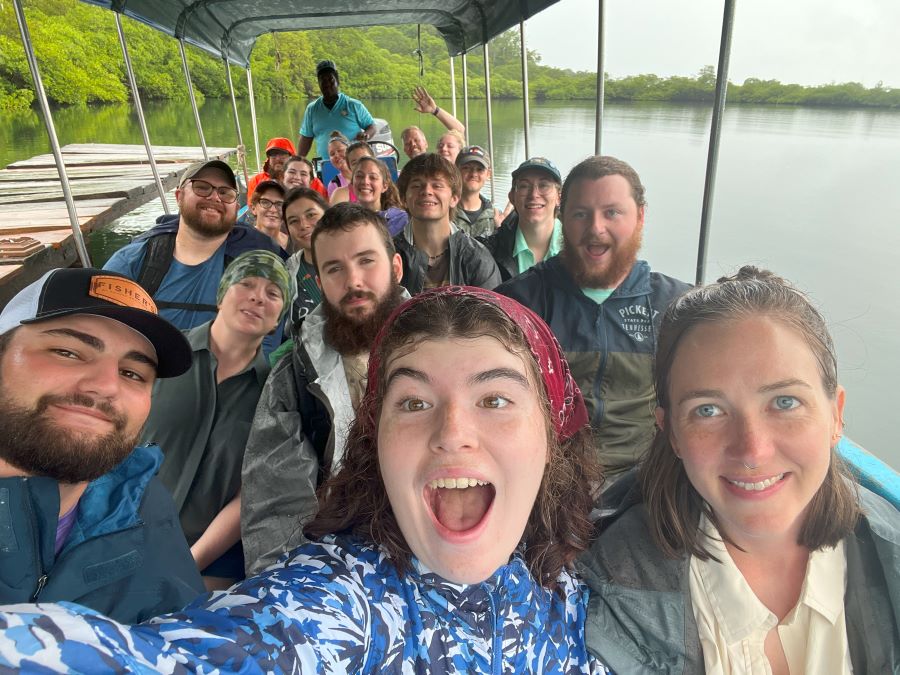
(263, 264)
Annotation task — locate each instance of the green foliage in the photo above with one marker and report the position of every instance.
(81, 62)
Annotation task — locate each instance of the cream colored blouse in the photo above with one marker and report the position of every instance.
(733, 623)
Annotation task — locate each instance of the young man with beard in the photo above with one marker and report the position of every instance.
(434, 251)
(300, 429)
(532, 233)
(604, 305)
(181, 260)
(278, 152)
(82, 516)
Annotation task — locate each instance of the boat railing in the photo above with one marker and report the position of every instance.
(457, 29)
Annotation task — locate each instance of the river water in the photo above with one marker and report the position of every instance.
(809, 193)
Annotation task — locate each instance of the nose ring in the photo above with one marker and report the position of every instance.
(750, 466)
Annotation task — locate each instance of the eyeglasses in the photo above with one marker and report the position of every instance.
(201, 188)
(268, 203)
(523, 187)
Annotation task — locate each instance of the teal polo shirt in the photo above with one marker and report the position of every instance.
(523, 255)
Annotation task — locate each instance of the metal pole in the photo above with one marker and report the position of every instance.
(525, 107)
(242, 159)
(490, 119)
(712, 159)
(190, 88)
(601, 79)
(80, 247)
(140, 113)
(452, 87)
(253, 117)
(465, 95)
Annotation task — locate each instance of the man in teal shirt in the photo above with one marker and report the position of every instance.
(332, 111)
(531, 233)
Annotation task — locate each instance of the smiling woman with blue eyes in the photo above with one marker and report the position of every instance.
(445, 544)
(743, 545)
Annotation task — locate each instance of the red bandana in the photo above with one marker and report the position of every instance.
(567, 409)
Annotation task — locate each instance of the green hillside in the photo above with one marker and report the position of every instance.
(81, 62)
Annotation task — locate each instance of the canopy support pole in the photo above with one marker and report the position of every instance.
(601, 79)
(715, 132)
(80, 247)
(465, 70)
(190, 88)
(253, 117)
(242, 158)
(490, 119)
(140, 113)
(452, 87)
(525, 104)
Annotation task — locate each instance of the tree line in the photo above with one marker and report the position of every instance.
(81, 62)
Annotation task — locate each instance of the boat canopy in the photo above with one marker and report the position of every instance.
(229, 28)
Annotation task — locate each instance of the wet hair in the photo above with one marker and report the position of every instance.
(346, 217)
(302, 193)
(673, 505)
(298, 158)
(431, 165)
(356, 145)
(262, 186)
(600, 166)
(355, 500)
(389, 197)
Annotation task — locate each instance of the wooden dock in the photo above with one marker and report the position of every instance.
(107, 182)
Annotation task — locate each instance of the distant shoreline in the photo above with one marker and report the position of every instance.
(81, 64)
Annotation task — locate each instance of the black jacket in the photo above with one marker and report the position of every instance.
(609, 347)
(470, 263)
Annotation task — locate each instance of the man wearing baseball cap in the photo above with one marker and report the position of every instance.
(182, 258)
(332, 111)
(82, 516)
(278, 151)
(474, 213)
(532, 232)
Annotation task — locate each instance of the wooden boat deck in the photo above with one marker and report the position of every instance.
(107, 182)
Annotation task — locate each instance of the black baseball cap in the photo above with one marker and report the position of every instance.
(64, 292)
(324, 66)
(473, 153)
(197, 167)
(541, 164)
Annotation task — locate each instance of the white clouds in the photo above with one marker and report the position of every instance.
(805, 41)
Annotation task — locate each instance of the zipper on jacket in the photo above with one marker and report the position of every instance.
(42, 581)
(497, 641)
(42, 576)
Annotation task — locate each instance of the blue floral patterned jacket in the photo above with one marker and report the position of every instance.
(337, 606)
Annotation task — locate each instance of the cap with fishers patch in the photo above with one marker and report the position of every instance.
(473, 153)
(64, 292)
(196, 168)
(541, 164)
(324, 66)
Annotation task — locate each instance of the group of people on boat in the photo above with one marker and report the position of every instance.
(391, 430)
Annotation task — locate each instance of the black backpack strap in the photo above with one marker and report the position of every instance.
(158, 256)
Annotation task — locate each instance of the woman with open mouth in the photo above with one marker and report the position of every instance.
(744, 545)
(444, 544)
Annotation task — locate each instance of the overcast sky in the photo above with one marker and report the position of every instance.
(803, 41)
